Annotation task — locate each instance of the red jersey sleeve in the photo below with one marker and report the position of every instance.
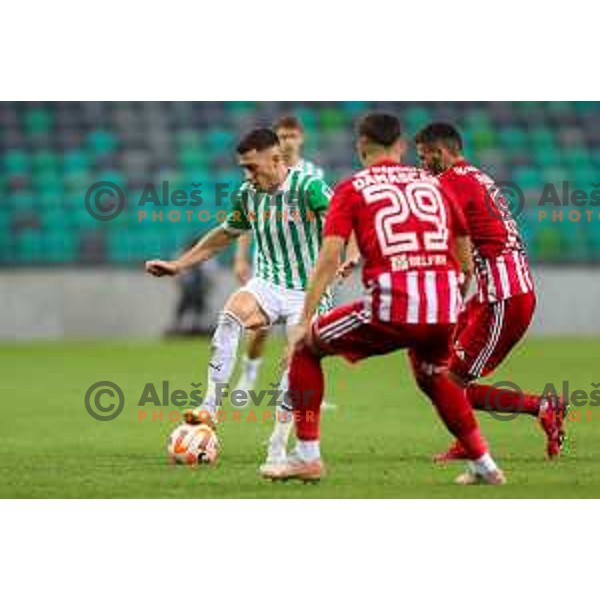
(339, 221)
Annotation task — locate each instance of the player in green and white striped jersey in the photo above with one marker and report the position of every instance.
(287, 227)
(290, 132)
(284, 209)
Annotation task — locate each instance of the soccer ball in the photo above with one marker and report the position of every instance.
(193, 444)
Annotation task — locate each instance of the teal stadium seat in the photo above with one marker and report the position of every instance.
(16, 162)
(101, 142)
(332, 119)
(512, 138)
(38, 120)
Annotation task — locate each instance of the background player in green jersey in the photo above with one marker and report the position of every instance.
(284, 208)
(290, 132)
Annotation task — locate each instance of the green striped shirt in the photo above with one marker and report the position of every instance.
(287, 227)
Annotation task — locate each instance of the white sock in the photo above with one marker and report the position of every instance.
(284, 422)
(309, 451)
(250, 367)
(210, 403)
(485, 464)
(225, 342)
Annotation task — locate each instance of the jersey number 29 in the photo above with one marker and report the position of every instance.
(419, 199)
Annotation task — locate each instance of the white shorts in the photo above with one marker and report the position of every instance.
(279, 304)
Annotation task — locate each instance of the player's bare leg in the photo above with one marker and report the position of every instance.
(251, 361)
(241, 311)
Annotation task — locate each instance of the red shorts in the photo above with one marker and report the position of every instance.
(351, 331)
(487, 332)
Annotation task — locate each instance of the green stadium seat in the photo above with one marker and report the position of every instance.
(54, 219)
(527, 177)
(242, 105)
(572, 234)
(45, 160)
(548, 156)
(75, 160)
(355, 107)
(23, 200)
(100, 141)
(38, 120)
(48, 181)
(575, 157)
(49, 199)
(512, 138)
(309, 119)
(583, 106)
(332, 119)
(593, 238)
(60, 246)
(220, 141)
(483, 139)
(188, 139)
(416, 118)
(80, 218)
(5, 219)
(192, 159)
(29, 247)
(541, 137)
(559, 106)
(16, 162)
(583, 176)
(113, 176)
(555, 174)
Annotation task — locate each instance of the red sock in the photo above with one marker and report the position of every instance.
(488, 398)
(306, 385)
(450, 401)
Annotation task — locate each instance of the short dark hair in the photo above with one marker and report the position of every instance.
(440, 132)
(258, 139)
(289, 122)
(380, 128)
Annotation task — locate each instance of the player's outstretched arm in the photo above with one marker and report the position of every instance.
(213, 242)
(324, 273)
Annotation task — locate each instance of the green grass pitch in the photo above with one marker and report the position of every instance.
(376, 444)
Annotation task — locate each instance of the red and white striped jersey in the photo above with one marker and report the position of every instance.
(501, 265)
(404, 224)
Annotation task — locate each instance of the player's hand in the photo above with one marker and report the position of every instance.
(242, 270)
(298, 336)
(345, 269)
(160, 268)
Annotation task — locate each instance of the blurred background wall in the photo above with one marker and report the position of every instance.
(64, 273)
